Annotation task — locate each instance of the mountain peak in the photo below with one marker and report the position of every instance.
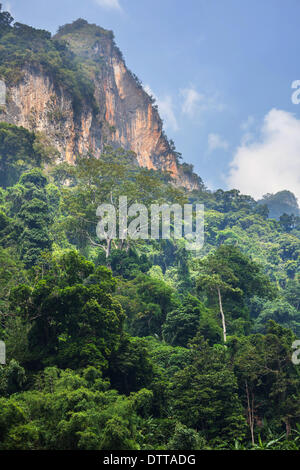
(282, 202)
(82, 37)
(82, 27)
(79, 91)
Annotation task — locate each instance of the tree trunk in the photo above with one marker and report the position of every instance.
(222, 314)
(108, 247)
(250, 414)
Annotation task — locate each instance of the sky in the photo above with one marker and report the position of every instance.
(222, 73)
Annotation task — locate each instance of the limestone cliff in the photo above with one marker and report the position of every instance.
(125, 114)
(283, 202)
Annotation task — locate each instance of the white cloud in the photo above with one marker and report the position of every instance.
(215, 141)
(166, 109)
(247, 128)
(272, 162)
(192, 105)
(191, 100)
(109, 4)
(195, 102)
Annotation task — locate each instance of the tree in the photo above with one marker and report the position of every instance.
(21, 150)
(279, 311)
(204, 395)
(130, 366)
(287, 222)
(5, 20)
(30, 207)
(186, 439)
(229, 273)
(292, 292)
(268, 380)
(182, 324)
(74, 319)
(155, 299)
(11, 273)
(12, 378)
(128, 264)
(97, 181)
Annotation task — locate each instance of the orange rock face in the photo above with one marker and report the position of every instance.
(126, 114)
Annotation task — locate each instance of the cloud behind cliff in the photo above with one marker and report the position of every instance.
(195, 103)
(109, 4)
(192, 98)
(166, 109)
(270, 163)
(215, 142)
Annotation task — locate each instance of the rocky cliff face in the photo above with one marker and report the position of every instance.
(125, 113)
(283, 202)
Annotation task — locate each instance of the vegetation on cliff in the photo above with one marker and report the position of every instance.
(22, 46)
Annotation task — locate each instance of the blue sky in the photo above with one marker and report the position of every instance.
(222, 72)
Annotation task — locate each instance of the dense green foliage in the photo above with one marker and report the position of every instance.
(121, 345)
(22, 46)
